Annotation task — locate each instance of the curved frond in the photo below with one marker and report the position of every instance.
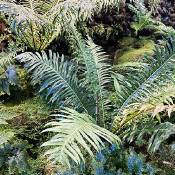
(143, 83)
(162, 102)
(74, 132)
(81, 9)
(60, 78)
(19, 12)
(96, 66)
(159, 133)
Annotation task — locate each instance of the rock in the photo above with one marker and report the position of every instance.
(117, 18)
(92, 22)
(131, 49)
(109, 20)
(172, 9)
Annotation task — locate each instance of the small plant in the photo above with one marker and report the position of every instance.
(14, 156)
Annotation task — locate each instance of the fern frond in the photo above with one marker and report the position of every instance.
(139, 5)
(61, 79)
(94, 59)
(96, 66)
(74, 131)
(162, 102)
(80, 9)
(101, 75)
(20, 13)
(143, 83)
(159, 133)
(14, 46)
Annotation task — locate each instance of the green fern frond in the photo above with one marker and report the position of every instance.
(14, 47)
(74, 131)
(101, 73)
(143, 83)
(61, 79)
(164, 97)
(162, 102)
(80, 9)
(94, 59)
(96, 66)
(137, 109)
(159, 133)
(139, 6)
(20, 12)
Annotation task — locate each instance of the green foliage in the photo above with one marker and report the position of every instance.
(37, 23)
(8, 77)
(63, 84)
(83, 84)
(96, 66)
(144, 21)
(142, 83)
(60, 78)
(132, 50)
(5, 133)
(14, 47)
(73, 130)
(158, 133)
(112, 161)
(14, 156)
(5, 136)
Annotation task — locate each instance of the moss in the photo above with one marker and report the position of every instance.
(131, 49)
(29, 119)
(32, 107)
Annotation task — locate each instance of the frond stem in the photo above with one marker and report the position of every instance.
(126, 101)
(119, 127)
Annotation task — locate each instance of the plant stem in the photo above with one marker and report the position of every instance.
(119, 127)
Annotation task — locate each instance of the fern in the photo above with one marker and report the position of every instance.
(5, 136)
(75, 130)
(143, 83)
(54, 72)
(96, 67)
(14, 47)
(162, 102)
(159, 134)
(15, 157)
(62, 82)
(144, 21)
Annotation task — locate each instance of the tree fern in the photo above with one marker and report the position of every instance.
(54, 72)
(143, 83)
(76, 130)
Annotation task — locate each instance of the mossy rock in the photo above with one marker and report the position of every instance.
(132, 49)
